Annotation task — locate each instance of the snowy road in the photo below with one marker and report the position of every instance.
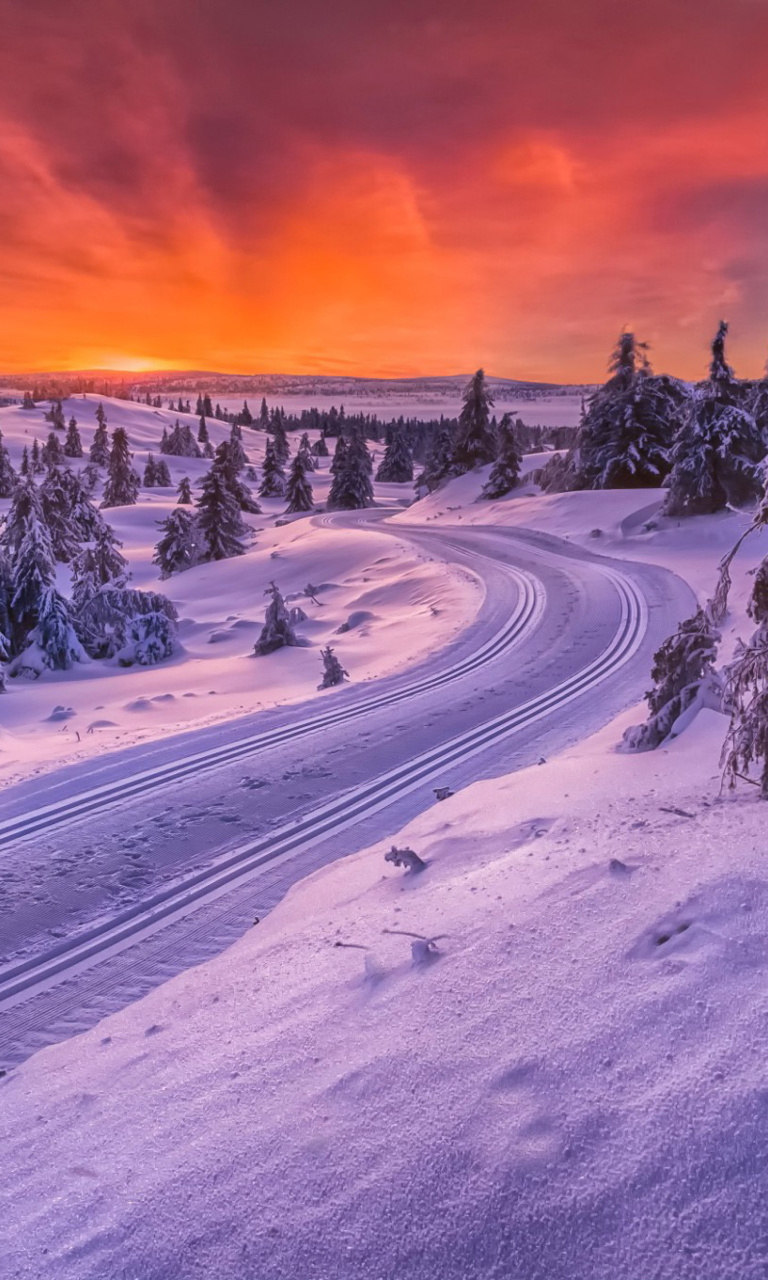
(159, 857)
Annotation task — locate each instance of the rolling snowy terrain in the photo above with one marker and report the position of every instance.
(540, 1057)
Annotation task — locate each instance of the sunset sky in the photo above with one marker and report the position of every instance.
(385, 187)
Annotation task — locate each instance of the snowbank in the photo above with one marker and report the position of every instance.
(572, 1090)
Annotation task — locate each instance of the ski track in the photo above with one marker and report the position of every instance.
(260, 860)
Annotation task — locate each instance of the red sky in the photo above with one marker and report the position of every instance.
(382, 187)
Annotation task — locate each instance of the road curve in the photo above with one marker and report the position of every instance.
(563, 642)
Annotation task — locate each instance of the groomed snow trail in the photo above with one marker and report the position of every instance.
(563, 641)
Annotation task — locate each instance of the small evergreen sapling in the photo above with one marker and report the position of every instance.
(277, 631)
(333, 672)
(684, 679)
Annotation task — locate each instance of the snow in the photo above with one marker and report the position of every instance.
(573, 1088)
(418, 603)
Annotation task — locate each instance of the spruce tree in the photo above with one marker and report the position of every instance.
(505, 471)
(33, 572)
(237, 458)
(438, 465)
(150, 474)
(220, 522)
(474, 445)
(202, 431)
(52, 643)
(185, 492)
(333, 672)
(35, 459)
(320, 448)
(162, 475)
(683, 673)
(56, 496)
(273, 477)
(6, 618)
(207, 406)
(225, 460)
(99, 450)
(122, 487)
(110, 564)
(746, 695)
(52, 454)
(73, 447)
(351, 489)
(719, 448)
(298, 489)
(277, 630)
(25, 468)
(339, 456)
(179, 546)
(306, 451)
(396, 466)
(7, 473)
(280, 440)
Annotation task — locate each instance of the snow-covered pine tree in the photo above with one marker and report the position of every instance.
(237, 456)
(224, 459)
(35, 458)
(6, 619)
(438, 465)
(333, 672)
(280, 440)
(277, 630)
(352, 489)
(55, 415)
(52, 454)
(716, 456)
(339, 456)
(306, 451)
(122, 486)
(33, 572)
(73, 445)
(7, 473)
(185, 492)
(684, 678)
(162, 475)
(180, 442)
(474, 444)
(221, 526)
(52, 643)
(130, 625)
(396, 466)
(758, 406)
(179, 546)
(298, 490)
(27, 401)
(746, 695)
(25, 467)
(25, 507)
(111, 565)
(150, 473)
(505, 471)
(202, 432)
(56, 499)
(272, 476)
(320, 448)
(98, 453)
(90, 476)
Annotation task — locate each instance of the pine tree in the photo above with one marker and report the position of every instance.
(55, 415)
(52, 643)
(25, 507)
(99, 450)
(351, 489)
(320, 448)
(474, 445)
(207, 406)
(273, 477)
(199, 405)
(27, 402)
(185, 492)
(224, 459)
(306, 451)
(397, 464)
(180, 442)
(122, 487)
(33, 573)
(683, 675)
(110, 565)
(35, 460)
(245, 415)
(179, 546)
(7, 473)
(277, 630)
(333, 672)
(719, 448)
(298, 490)
(263, 414)
(505, 471)
(220, 522)
(132, 626)
(237, 458)
(746, 695)
(56, 495)
(90, 476)
(339, 456)
(280, 440)
(6, 619)
(73, 447)
(52, 454)
(150, 474)
(24, 468)
(439, 463)
(202, 432)
(162, 475)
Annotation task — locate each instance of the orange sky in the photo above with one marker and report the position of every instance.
(381, 188)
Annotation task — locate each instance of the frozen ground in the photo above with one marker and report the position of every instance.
(572, 1088)
(407, 604)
